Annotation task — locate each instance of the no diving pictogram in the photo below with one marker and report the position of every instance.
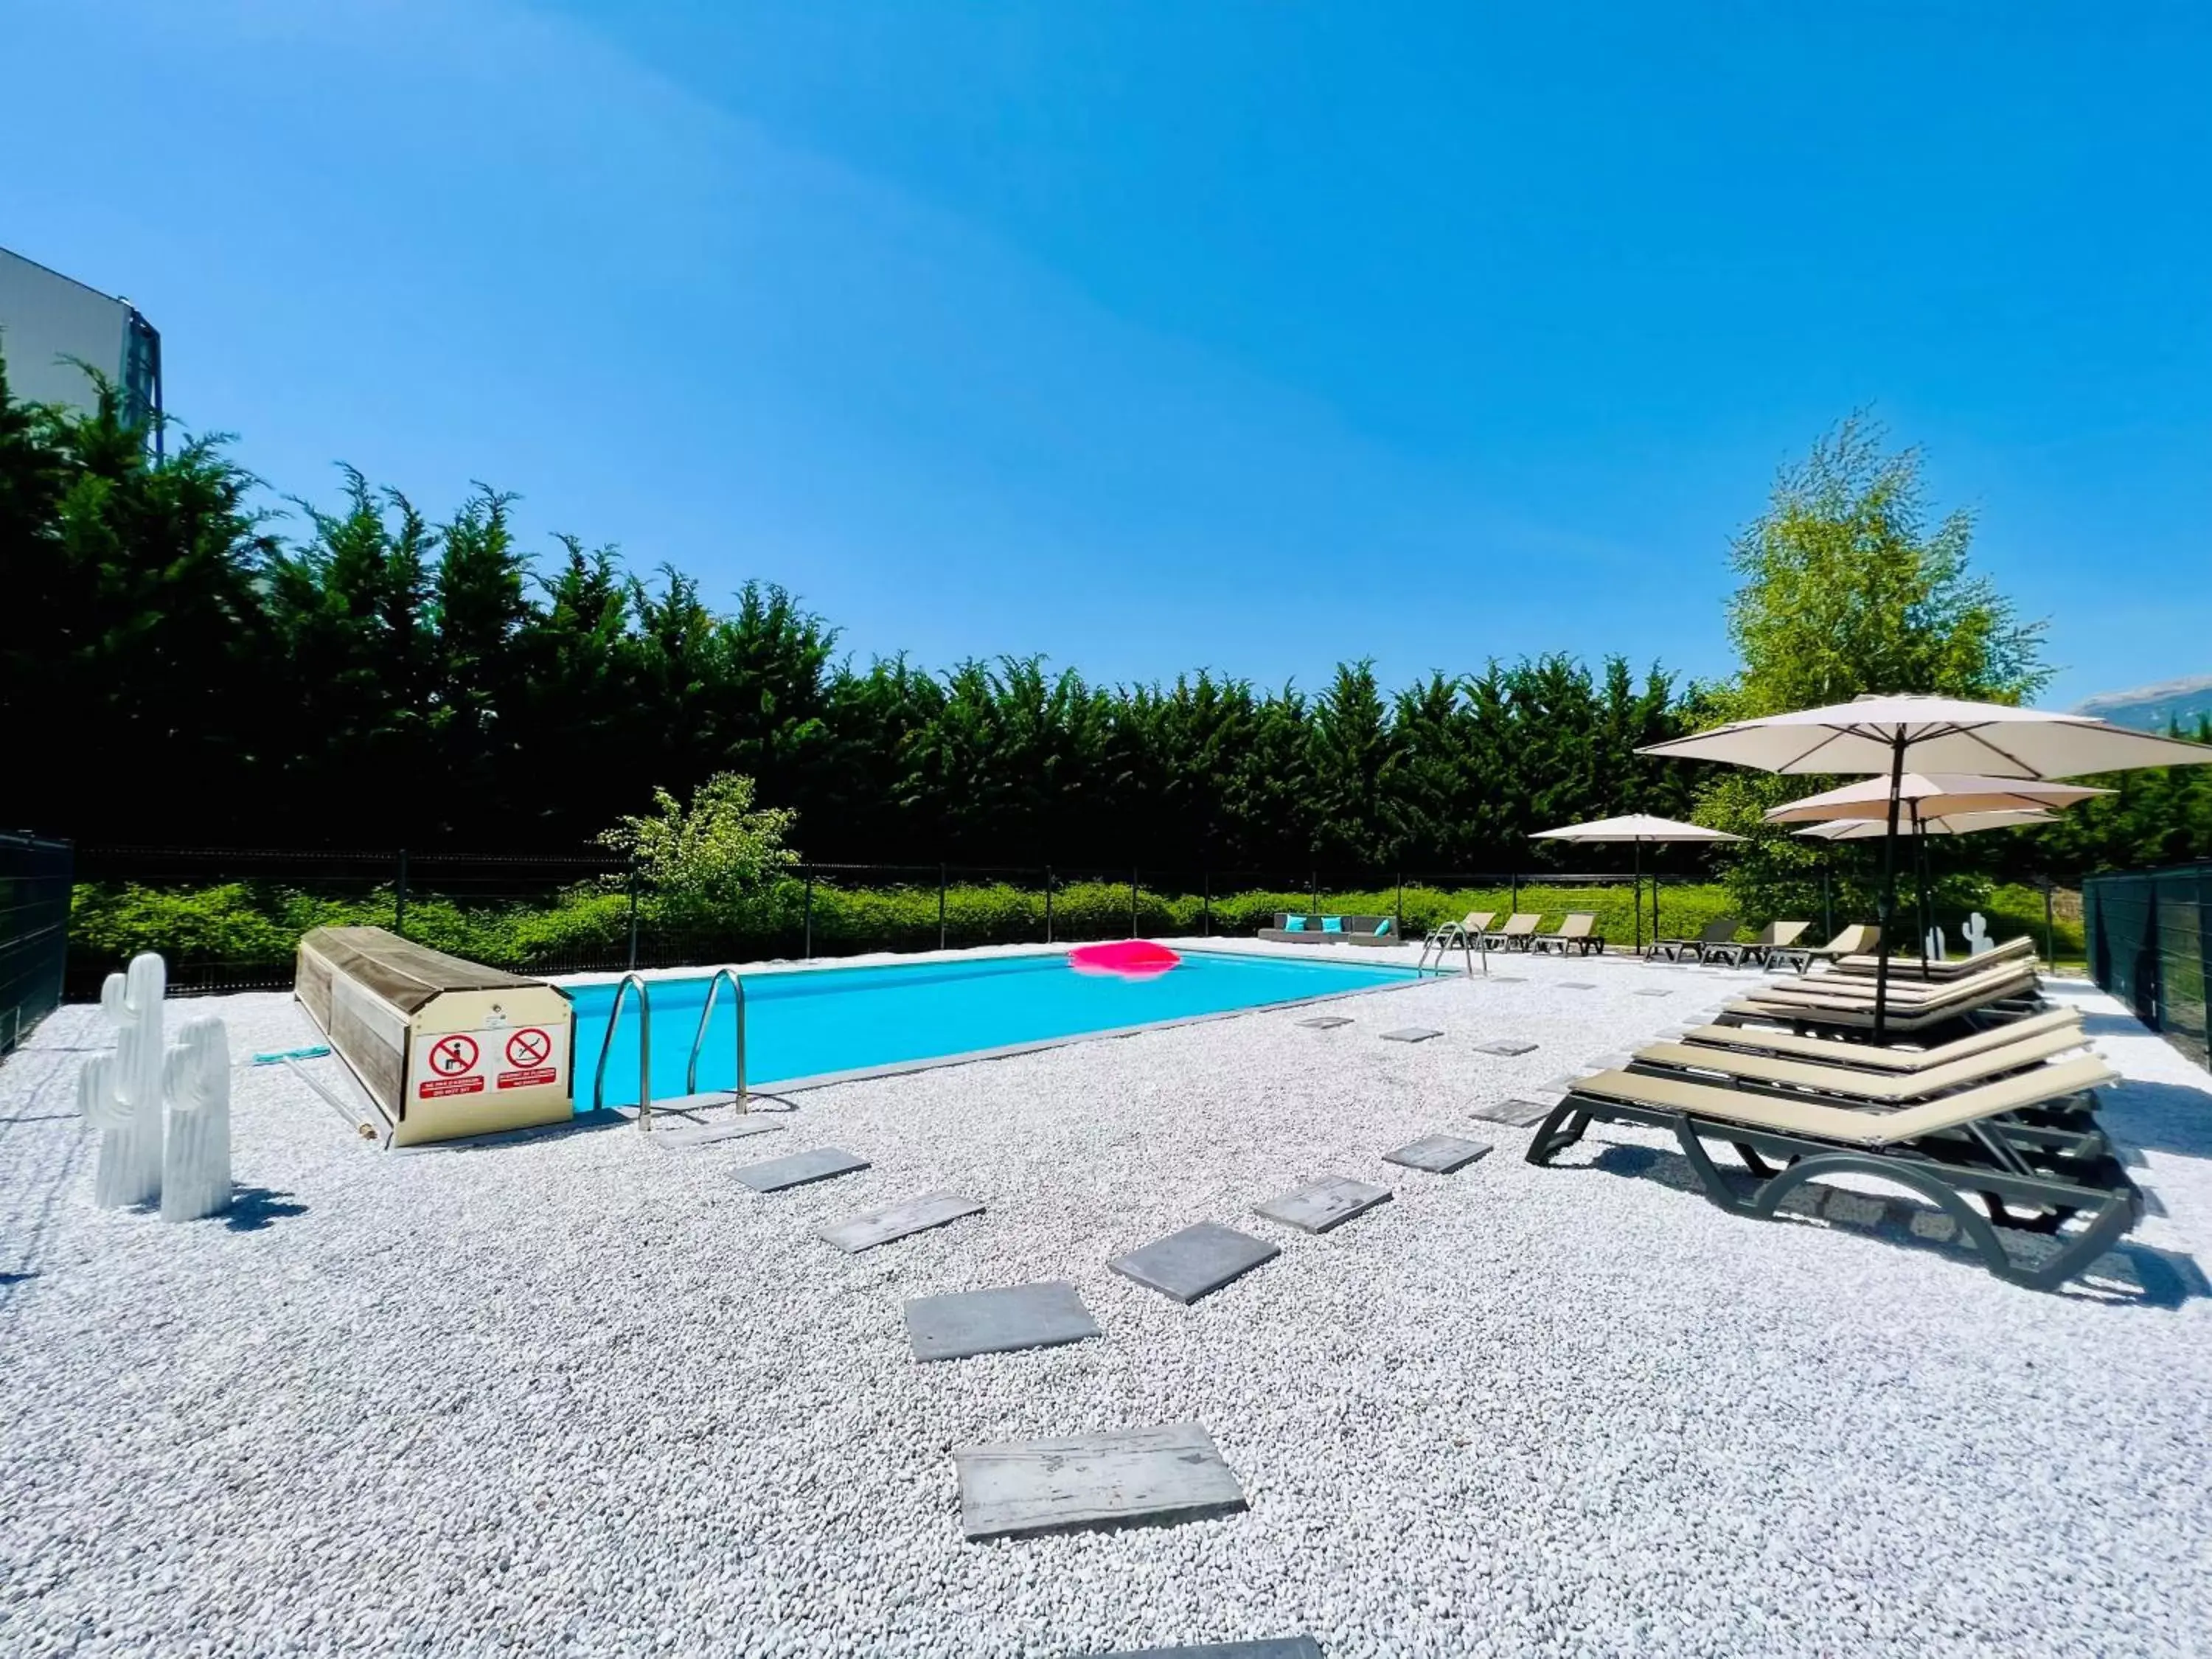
(451, 1056)
(528, 1048)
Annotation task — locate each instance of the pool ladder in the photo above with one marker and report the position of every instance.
(692, 1102)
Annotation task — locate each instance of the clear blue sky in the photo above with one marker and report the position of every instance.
(1152, 335)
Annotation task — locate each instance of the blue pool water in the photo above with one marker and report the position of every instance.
(817, 1020)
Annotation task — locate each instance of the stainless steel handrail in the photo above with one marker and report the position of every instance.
(644, 1048)
(699, 1038)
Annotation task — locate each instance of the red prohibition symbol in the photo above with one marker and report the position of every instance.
(451, 1056)
(528, 1048)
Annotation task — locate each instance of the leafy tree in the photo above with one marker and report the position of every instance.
(705, 859)
(1848, 588)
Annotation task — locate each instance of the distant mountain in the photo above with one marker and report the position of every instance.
(2156, 708)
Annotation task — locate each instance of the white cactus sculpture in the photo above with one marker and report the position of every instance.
(120, 1093)
(196, 1162)
(1935, 947)
(1979, 941)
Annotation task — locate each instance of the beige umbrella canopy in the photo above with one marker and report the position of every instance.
(1955, 823)
(1926, 794)
(1933, 734)
(1885, 734)
(1637, 828)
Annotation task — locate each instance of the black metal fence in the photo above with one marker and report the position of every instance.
(2150, 945)
(228, 919)
(34, 911)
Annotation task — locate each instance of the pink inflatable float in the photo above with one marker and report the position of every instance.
(1126, 958)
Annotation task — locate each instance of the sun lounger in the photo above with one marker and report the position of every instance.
(2001, 998)
(1717, 931)
(1517, 933)
(1855, 939)
(1849, 990)
(1842, 1083)
(1775, 936)
(1950, 1150)
(1576, 933)
(1863, 966)
(1828, 1051)
(1455, 935)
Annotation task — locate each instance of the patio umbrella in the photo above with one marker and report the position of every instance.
(1637, 828)
(1936, 794)
(1881, 734)
(1953, 824)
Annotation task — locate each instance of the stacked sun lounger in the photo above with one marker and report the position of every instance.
(1578, 935)
(1997, 1129)
(2006, 987)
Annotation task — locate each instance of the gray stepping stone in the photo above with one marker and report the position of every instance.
(1520, 1113)
(712, 1134)
(1506, 1045)
(1329, 1202)
(1508, 978)
(1578, 985)
(1275, 1647)
(819, 1163)
(1653, 991)
(1004, 1320)
(1135, 1477)
(1324, 1022)
(1410, 1034)
(1438, 1154)
(1195, 1261)
(916, 1215)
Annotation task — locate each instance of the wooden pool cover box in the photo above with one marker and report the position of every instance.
(445, 1048)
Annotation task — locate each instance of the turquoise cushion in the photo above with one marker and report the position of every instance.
(1332, 924)
(1294, 924)
(1382, 927)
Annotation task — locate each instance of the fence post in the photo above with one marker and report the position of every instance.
(2050, 927)
(1516, 905)
(1399, 926)
(808, 947)
(633, 914)
(1132, 901)
(1828, 899)
(399, 898)
(1047, 904)
(1315, 876)
(941, 907)
(1206, 924)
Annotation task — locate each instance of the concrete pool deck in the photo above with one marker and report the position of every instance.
(581, 1393)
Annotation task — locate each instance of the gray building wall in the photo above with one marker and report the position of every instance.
(46, 319)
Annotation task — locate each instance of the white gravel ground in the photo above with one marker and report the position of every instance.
(584, 1395)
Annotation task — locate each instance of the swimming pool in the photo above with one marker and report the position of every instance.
(811, 1022)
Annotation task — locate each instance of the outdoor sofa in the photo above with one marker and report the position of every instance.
(1294, 929)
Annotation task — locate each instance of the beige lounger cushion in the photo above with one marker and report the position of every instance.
(1860, 1016)
(1519, 922)
(1860, 992)
(1886, 1089)
(2038, 1087)
(1827, 1051)
(1863, 966)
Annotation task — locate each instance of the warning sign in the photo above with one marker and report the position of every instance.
(483, 1062)
(453, 1054)
(529, 1054)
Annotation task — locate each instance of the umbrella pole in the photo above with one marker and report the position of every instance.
(1640, 895)
(1887, 918)
(1927, 903)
